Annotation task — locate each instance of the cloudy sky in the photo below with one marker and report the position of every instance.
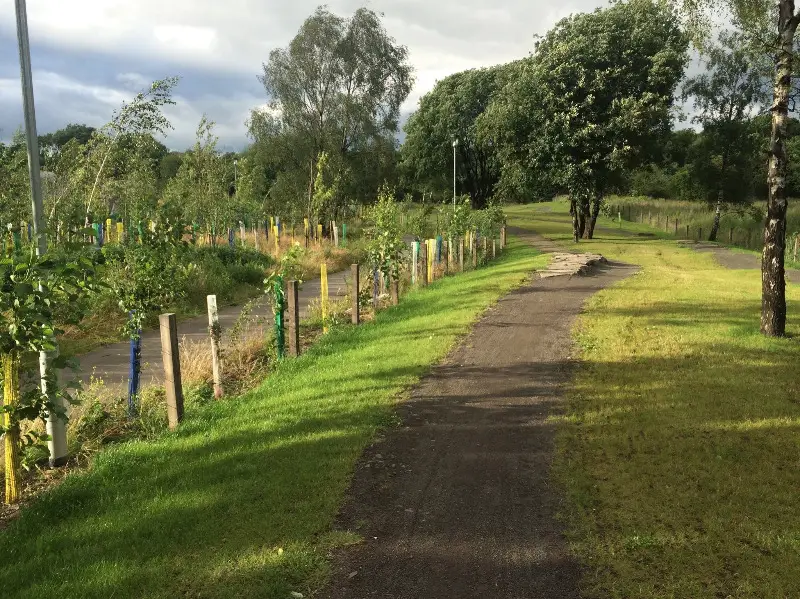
(90, 55)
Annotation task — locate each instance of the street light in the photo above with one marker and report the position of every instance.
(455, 145)
(56, 428)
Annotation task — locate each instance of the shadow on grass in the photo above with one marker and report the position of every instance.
(240, 501)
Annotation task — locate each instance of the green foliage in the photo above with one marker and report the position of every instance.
(336, 88)
(31, 287)
(385, 237)
(418, 218)
(488, 221)
(591, 102)
(457, 219)
(726, 158)
(146, 277)
(447, 113)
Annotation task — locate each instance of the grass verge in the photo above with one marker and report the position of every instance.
(680, 448)
(241, 500)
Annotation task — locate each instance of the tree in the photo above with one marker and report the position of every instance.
(201, 185)
(726, 97)
(131, 123)
(591, 102)
(449, 112)
(771, 28)
(14, 183)
(337, 87)
(51, 144)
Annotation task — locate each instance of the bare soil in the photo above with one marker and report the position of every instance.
(458, 501)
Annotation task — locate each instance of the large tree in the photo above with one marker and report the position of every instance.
(770, 25)
(336, 88)
(726, 97)
(591, 102)
(447, 113)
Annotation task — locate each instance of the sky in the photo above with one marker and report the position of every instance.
(89, 56)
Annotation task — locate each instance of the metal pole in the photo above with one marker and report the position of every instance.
(455, 144)
(56, 427)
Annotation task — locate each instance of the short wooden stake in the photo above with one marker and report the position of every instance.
(335, 234)
(292, 289)
(215, 333)
(461, 254)
(730, 235)
(687, 231)
(494, 249)
(172, 369)
(395, 290)
(796, 241)
(474, 255)
(414, 262)
(354, 272)
(699, 233)
(502, 238)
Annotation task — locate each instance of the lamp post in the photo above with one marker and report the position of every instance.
(56, 428)
(455, 145)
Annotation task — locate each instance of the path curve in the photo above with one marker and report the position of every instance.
(110, 362)
(727, 258)
(457, 503)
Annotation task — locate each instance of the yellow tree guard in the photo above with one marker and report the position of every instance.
(10, 364)
(323, 272)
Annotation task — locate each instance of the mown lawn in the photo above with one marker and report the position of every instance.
(241, 501)
(680, 452)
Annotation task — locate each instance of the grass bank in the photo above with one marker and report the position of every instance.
(742, 227)
(680, 447)
(241, 500)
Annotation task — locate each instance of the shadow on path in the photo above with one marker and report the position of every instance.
(457, 502)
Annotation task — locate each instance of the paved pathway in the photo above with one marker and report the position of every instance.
(457, 503)
(736, 260)
(110, 362)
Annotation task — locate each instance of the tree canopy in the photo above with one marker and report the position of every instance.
(449, 112)
(337, 88)
(593, 100)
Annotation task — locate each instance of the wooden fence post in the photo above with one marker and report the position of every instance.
(794, 253)
(494, 249)
(699, 233)
(474, 255)
(461, 254)
(292, 289)
(356, 281)
(172, 369)
(215, 332)
(687, 232)
(394, 286)
(730, 235)
(503, 238)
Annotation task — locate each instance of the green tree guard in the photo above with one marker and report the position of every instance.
(279, 308)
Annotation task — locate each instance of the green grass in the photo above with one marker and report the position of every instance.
(679, 451)
(748, 228)
(241, 501)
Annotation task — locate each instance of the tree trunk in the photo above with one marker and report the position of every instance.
(717, 215)
(583, 217)
(773, 283)
(10, 364)
(573, 210)
(595, 212)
